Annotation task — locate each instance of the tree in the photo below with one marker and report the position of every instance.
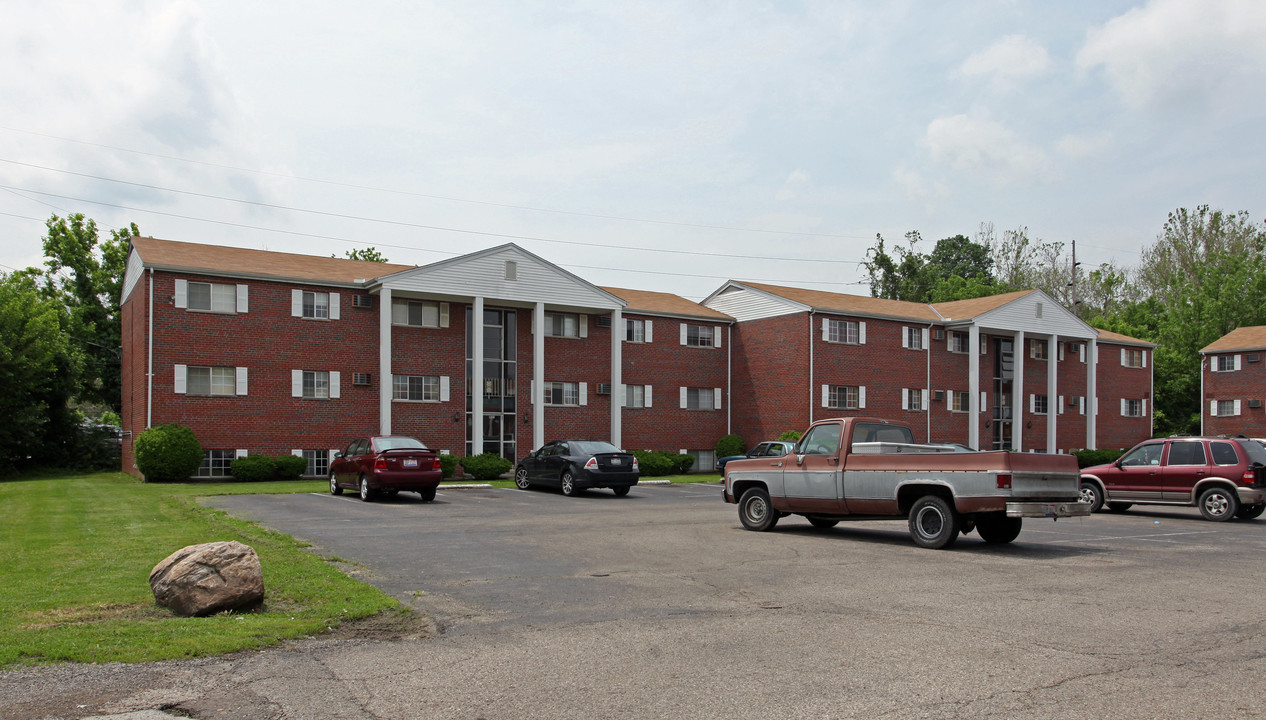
(956, 269)
(86, 276)
(369, 254)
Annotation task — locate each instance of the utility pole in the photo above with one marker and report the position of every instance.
(1073, 282)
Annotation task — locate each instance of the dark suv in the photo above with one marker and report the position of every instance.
(1224, 477)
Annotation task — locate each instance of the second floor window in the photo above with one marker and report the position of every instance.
(214, 297)
(316, 384)
(635, 331)
(1039, 405)
(316, 305)
(563, 325)
(214, 381)
(960, 402)
(415, 387)
(958, 342)
(1227, 363)
(419, 313)
(843, 331)
(562, 393)
(1037, 349)
(700, 336)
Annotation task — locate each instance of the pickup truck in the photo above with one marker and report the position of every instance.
(863, 468)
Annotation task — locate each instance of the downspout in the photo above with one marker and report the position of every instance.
(729, 381)
(928, 385)
(810, 368)
(1202, 402)
(149, 375)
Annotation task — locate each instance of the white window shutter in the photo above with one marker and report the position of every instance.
(623, 391)
(329, 455)
(1081, 405)
(1236, 410)
(1124, 405)
(923, 404)
(717, 334)
(648, 330)
(241, 381)
(1095, 400)
(1213, 408)
(182, 293)
(1061, 352)
(444, 315)
(243, 298)
(716, 398)
(296, 383)
(1237, 366)
(1032, 403)
(826, 333)
(444, 388)
(1144, 352)
(584, 393)
(905, 337)
(684, 401)
(927, 335)
(861, 333)
(861, 397)
(1143, 407)
(334, 306)
(584, 325)
(1124, 359)
(181, 377)
(1081, 352)
(949, 399)
(1061, 405)
(905, 397)
(683, 337)
(239, 453)
(531, 392)
(335, 376)
(984, 401)
(826, 396)
(296, 303)
(648, 396)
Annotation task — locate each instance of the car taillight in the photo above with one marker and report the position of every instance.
(592, 464)
(380, 464)
(1250, 477)
(436, 466)
(1004, 482)
(635, 465)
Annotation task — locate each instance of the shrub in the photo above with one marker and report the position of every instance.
(655, 463)
(448, 465)
(289, 467)
(167, 453)
(1087, 458)
(789, 436)
(488, 466)
(730, 445)
(684, 463)
(252, 468)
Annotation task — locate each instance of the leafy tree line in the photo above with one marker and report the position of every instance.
(1203, 276)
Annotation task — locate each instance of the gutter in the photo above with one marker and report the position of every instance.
(149, 375)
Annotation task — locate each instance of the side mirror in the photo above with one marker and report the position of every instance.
(338, 455)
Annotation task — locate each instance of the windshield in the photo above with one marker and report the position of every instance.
(593, 447)
(398, 443)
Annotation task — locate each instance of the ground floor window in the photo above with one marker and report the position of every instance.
(318, 462)
(705, 460)
(215, 463)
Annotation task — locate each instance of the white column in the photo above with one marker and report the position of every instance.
(1092, 390)
(1052, 390)
(973, 386)
(384, 362)
(538, 376)
(1018, 406)
(617, 363)
(477, 378)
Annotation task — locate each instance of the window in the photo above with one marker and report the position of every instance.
(843, 397)
(564, 325)
(1227, 363)
(213, 381)
(318, 462)
(1040, 404)
(959, 342)
(912, 399)
(213, 297)
(415, 387)
(316, 305)
(216, 463)
(843, 331)
(1132, 358)
(700, 336)
(1186, 453)
(1131, 408)
(316, 384)
(635, 330)
(637, 396)
(960, 401)
(704, 459)
(1226, 408)
(562, 393)
(700, 398)
(1038, 349)
(913, 338)
(1224, 453)
(419, 313)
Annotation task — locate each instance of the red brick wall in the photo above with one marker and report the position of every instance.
(1114, 383)
(134, 317)
(771, 377)
(1246, 384)
(424, 351)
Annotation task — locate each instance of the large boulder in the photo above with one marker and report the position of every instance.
(209, 578)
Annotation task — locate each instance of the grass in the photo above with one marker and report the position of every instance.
(75, 557)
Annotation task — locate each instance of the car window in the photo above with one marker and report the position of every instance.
(399, 443)
(1143, 455)
(593, 447)
(776, 450)
(356, 448)
(561, 449)
(1256, 451)
(1186, 453)
(1224, 453)
(822, 440)
(759, 450)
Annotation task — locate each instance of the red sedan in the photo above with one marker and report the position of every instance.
(386, 465)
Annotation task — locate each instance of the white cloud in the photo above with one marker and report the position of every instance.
(980, 146)
(1084, 146)
(795, 184)
(1177, 54)
(1011, 58)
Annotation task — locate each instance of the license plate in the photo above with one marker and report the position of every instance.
(615, 461)
(410, 462)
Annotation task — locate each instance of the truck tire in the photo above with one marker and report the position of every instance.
(1248, 512)
(999, 529)
(822, 523)
(755, 510)
(934, 522)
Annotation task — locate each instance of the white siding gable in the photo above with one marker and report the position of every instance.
(1022, 314)
(744, 303)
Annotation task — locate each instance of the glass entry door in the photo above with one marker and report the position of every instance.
(1003, 381)
(499, 387)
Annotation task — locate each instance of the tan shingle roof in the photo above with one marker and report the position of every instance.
(850, 304)
(967, 309)
(1245, 338)
(218, 258)
(666, 303)
(1109, 336)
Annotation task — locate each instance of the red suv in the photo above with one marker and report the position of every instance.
(1224, 477)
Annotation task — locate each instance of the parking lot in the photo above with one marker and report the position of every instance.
(660, 605)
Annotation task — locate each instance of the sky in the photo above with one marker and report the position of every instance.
(666, 146)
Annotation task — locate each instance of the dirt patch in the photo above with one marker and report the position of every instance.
(403, 624)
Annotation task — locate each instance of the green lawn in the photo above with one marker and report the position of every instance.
(75, 557)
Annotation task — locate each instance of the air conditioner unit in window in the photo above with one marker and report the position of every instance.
(1254, 357)
(604, 321)
(363, 301)
(938, 396)
(1254, 403)
(938, 334)
(361, 378)
(604, 388)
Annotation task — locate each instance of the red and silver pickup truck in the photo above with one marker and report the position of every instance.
(864, 468)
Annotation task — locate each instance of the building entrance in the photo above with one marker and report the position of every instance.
(1003, 380)
(499, 390)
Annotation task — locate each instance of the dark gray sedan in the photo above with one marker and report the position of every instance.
(574, 466)
(772, 448)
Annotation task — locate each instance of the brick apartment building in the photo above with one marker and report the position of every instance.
(1233, 384)
(267, 352)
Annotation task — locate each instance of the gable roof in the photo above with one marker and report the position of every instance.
(660, 303)
(1245, 338)
(975, 307)
(221, 260)
(848, 304)
(1109, 336)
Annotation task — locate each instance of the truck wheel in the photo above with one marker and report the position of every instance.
(1218, 504)
(823, 523)
(1090, 493)
(933, 522)
(756, 512)
(1119, 507)
(999, 529)
(1248, 512)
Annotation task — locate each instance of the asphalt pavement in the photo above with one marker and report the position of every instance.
(659, 605)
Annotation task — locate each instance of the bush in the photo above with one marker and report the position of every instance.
(448, 466)
(252, 468)
(488, 466)
(289, 467)
(166, 453)
(656, 463)
(1087, 458)
(730, 445)
(789, 436)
